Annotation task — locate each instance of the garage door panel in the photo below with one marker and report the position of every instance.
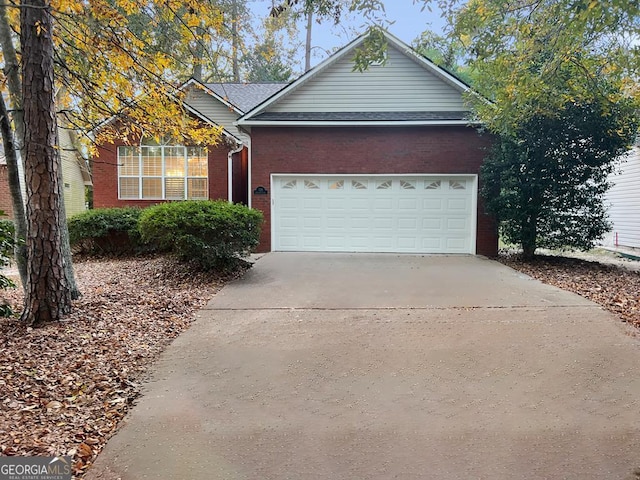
(336, 241)
(382, 223)
(383, 204)
(311, 242)
(289, 241)
(312, 223)
(360, 223)
(334, 223)
(407, 243)
(459, 224)
(338, 203)
(289, 204)
(457, 204)
(456, 244)
(383, 243)
(407, 224)
(289, 224)
(358, 204)
(413, 214)
(407, 204)
(432, 224)
(360, 242)
(433, 204)
(432, 244)
(309, 204)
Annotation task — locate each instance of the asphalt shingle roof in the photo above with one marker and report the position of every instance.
(245, 96)
(360, 116)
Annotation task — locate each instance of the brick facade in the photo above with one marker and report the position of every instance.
(6, 205)
(368, 150)
(105, 174)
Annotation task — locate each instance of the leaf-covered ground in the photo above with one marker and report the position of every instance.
(65, 387)
(615, 287)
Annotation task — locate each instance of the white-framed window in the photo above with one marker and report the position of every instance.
(153, 171)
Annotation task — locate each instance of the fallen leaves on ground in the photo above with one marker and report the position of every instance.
(614, 287)
(65, 387)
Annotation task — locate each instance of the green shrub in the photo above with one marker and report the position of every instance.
(7, 242)
(214, 234)
(106, 230)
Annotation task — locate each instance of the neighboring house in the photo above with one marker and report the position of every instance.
(624, 203)
(377, 161)
(75, 173)
(75, 177)
(6, 205)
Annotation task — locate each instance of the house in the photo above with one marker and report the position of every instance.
(75, 173)
(383, 160)
(75, 177)
(624, 203)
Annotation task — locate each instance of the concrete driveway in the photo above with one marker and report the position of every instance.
(340, 366)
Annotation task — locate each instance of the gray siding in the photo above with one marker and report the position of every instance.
(399, 85)
(212, 109)
(624, 200)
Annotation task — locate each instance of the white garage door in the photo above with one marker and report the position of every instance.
(412, 214)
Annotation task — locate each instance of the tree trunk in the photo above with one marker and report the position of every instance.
(529, 234)
(11, 72)
(307, 47)
(198, 54)
(48, 296)
(235, 41)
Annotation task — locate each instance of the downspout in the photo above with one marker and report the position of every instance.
(230, 155)
(249, 170)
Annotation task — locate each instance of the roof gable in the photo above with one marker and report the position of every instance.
(406, 85)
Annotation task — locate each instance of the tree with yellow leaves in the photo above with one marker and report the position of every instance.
(86, 61)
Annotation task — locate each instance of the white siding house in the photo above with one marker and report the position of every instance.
(624, 203)
(75, 173)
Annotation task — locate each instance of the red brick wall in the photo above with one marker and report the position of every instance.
(376, 150)
(6, 204)
(105, 177)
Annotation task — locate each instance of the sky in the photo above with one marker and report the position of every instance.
(408, 23)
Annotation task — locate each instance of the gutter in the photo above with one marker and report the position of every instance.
(373, 123)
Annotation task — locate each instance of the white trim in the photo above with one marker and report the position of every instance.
(474, 216)
(363, 123)
(230, 177)
(474, 199)
(163, 176)
(249, 169)
(272, 205)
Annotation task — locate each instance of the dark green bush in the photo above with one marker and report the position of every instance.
(106, 230)
(7, 242)
(214, 234)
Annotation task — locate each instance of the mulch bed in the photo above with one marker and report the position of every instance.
(65, 387)
(614, 287)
